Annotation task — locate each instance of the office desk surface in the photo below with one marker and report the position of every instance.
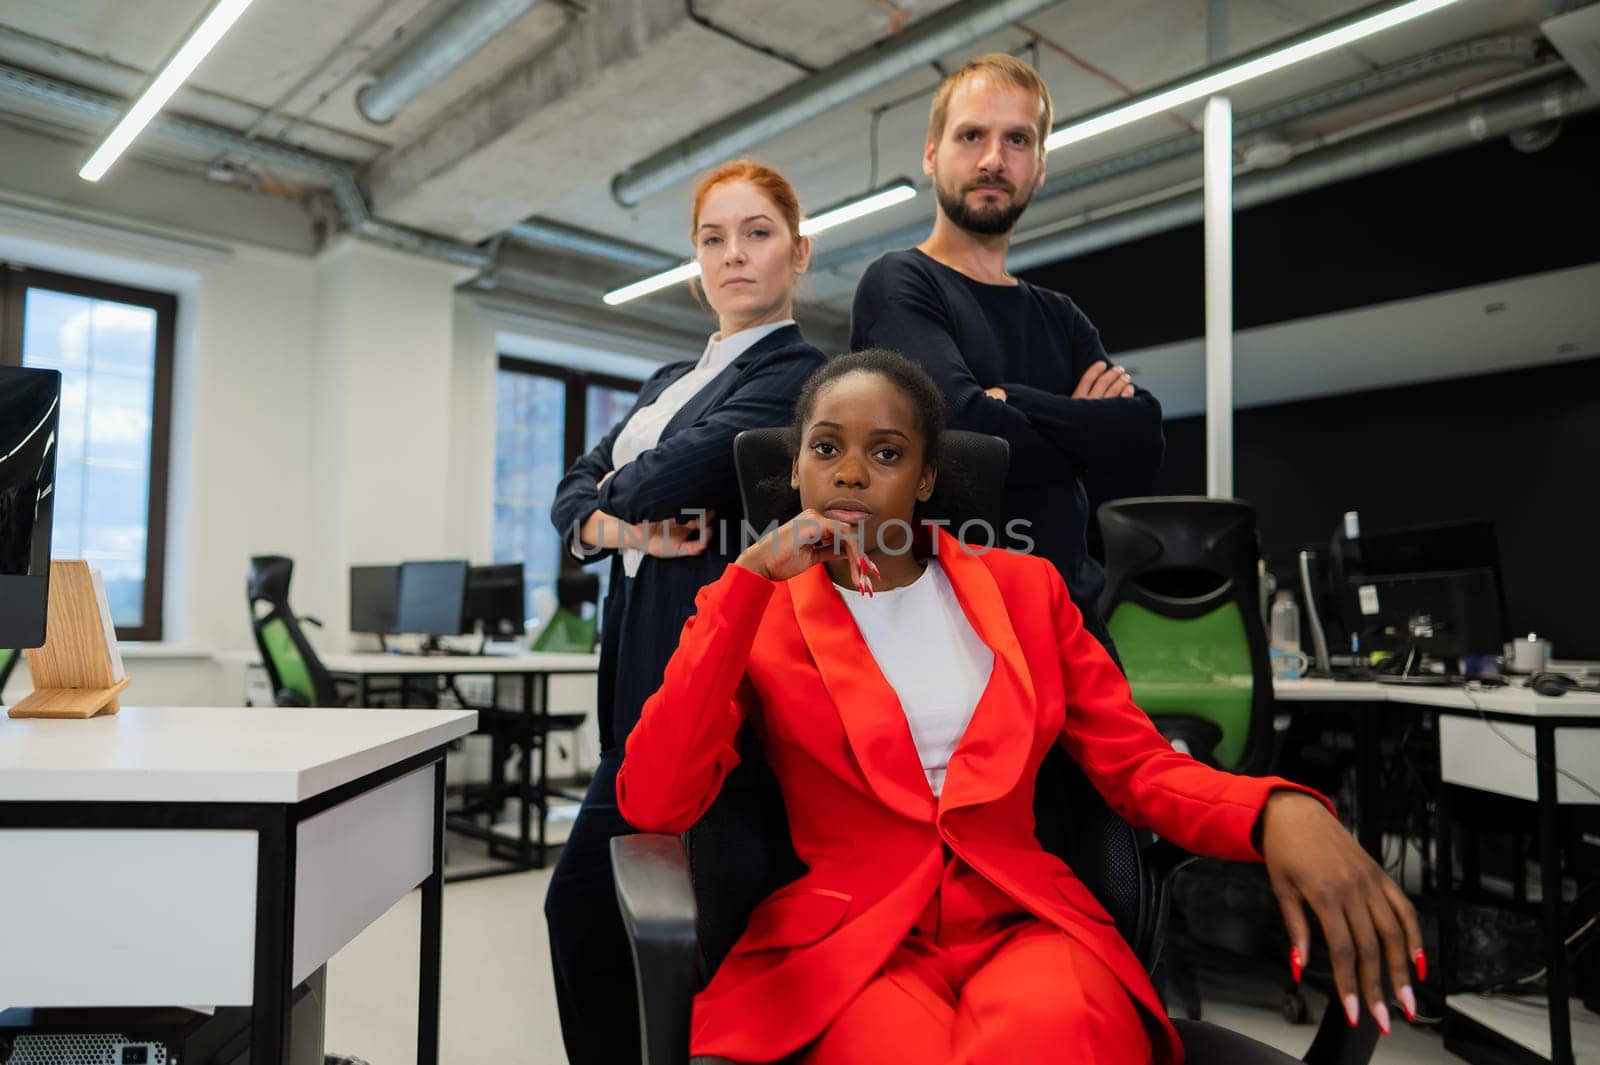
(529, 662)
(1522, 702)
(212, 754)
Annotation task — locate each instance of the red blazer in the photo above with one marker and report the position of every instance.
(788, 658)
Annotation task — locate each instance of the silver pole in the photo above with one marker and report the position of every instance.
(1219, 296)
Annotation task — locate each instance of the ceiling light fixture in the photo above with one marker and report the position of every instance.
(897, 191)
(1162, 100)
(177, 70)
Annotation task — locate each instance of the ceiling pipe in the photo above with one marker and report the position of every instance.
(458, 36)
(338, 176)
(594, 245)
(857, 74)
(1406, 143)
(1440, 61)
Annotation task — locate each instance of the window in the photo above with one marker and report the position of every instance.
(546, 417)
(113, 346)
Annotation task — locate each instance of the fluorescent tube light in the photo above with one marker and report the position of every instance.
(653, 283)
(896, 192)
(174, 74)
(1226, 78)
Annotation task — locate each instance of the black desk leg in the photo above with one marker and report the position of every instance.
(362, 691)
(1369, 798)
(524, 817)
(432, 934)
(274, 948)
(1445, 969)
(544, 763)
(1550, 885)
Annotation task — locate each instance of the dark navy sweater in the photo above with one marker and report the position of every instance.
(1035, 344)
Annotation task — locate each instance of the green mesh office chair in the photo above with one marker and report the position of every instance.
(1181, 604)
(8, 662)
(293, 668)
(568, 629)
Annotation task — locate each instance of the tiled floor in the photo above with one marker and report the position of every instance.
(499, 1006)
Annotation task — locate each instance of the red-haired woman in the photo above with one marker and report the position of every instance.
(671, 455)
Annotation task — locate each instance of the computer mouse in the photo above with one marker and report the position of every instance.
(1552, 683)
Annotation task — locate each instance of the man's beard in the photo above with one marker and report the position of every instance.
(987, 220)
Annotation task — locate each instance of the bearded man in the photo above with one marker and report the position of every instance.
(1013, 359)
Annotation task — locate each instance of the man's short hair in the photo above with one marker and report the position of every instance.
(999, 68)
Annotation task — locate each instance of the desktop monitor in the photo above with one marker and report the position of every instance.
(494, 600)
(1444, 579)
(30, 405)
(1447, 614)
(431, 597)
(374, 599)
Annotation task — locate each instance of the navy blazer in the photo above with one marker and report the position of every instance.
(689, 469)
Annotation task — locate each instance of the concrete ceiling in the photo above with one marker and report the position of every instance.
(575, 91)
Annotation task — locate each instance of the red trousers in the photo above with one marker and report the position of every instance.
(980, 981)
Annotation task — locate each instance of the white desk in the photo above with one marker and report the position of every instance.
(1510, 741)
(525, 729)
(217, 856)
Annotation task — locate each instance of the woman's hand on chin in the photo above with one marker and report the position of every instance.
(804, 541)
(1369, 924)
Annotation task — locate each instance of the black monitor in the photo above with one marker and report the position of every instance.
(1448, 615)
(494, 600)
(431, 597)
(30, 407)
(374, 599)
(1428, 590)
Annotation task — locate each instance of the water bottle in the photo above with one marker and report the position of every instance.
(1288, 662)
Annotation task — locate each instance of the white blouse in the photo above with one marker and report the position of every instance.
(931, 656)
(643, 431)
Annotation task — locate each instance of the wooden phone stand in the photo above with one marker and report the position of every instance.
(75, 672)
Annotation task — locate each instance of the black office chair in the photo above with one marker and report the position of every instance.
(686, 900)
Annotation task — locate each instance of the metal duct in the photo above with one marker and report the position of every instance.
(955, 27)
(1406, 143)
(457, 37)
(594, 245)
(1406, 72)
(340, 178)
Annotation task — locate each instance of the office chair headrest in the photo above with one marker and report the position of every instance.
(1180, 532)
(970, 486)
(577, 588)
(269, 578)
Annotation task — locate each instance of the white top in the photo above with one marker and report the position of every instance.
(932, 658)
(212, 754)
(643, 431)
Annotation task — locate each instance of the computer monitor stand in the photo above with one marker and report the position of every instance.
(78, 672)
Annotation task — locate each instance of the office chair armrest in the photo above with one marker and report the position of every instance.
(306, 619)
(1194, 736)
(656, 897)
(1163, 858)
(1336, 1043)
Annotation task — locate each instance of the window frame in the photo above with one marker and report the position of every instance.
(576, 429)
(15, 281)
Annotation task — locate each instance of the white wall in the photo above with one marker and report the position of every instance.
(335, 409)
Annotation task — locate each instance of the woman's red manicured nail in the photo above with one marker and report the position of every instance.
(1297, 964)
(1421, 961)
